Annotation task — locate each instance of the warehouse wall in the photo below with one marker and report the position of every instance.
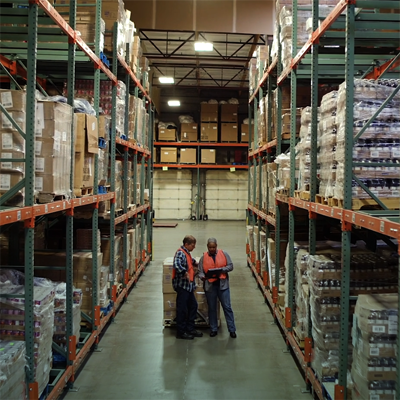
(224, 192)
(243, 16)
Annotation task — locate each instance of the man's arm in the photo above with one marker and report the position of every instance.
(180, 263)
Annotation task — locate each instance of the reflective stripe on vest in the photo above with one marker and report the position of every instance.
(220, 262)
(189, 263)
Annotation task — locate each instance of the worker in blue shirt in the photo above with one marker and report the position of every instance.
(184, 285)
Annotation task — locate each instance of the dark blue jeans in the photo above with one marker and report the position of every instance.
(224, 297)
(186, 310)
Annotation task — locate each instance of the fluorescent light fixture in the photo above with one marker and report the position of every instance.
(166, 79)
(203, 46)
(174, 103)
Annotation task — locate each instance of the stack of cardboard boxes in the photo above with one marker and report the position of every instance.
(209, 123)
(169, 297)
(229, 123)
(53, 149)
(86, 146)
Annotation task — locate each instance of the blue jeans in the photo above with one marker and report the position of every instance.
(186, 310)
(225, 298)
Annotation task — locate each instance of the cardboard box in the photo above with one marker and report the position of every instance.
(209, 132)
(168, 155)
(188, 156)
(166, 134)
(86, 145)
(209, 113)
(13, 100)
(208, 156)
(189, 132)
(229, 132)
(229, 112)
(244, 133)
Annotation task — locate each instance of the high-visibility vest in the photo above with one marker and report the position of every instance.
(189, 263)
(209, 264)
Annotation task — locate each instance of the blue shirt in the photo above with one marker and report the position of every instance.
(181, 267)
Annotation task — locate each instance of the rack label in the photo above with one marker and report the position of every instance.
(6, 99)
(38, 147)
(5, 182)
(5, 122)
(39, 164)
(6, 164)
(165, 168)
(233, 169)
(39, 183)
(7, 141)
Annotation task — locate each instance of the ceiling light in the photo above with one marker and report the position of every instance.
(166, 79)
(174, 103)
(203, 46)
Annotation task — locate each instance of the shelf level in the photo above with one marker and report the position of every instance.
(208, 166)
(21, 214)
(131, 214)
(266, 147)
(200, 144)
(132, 146)
(388, 227)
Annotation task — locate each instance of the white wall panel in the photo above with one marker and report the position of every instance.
(226, 194)
(172, 194)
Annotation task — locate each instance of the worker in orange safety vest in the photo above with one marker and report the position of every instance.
(214, 266)
(184, 286)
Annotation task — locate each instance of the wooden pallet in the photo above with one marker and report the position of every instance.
(303, 195)
(82, 192)
(392, 203)
(43, 198)
(323, 200)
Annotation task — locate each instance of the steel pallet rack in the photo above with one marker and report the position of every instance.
(372, 64)
(198, 166)
(24, 44)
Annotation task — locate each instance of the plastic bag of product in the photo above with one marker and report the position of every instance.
(233, 101)
(83, 106)
(212, 101)
(186, 119)
(223, 102)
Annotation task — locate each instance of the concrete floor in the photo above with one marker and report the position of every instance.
(142, 360)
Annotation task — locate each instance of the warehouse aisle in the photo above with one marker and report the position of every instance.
(141, 360)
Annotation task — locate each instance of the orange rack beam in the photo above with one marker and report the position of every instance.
(201, 144)
(16, 69)
(131, 213)
(208, 166)
(132, 146)
(267, 146)
(9, 216)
